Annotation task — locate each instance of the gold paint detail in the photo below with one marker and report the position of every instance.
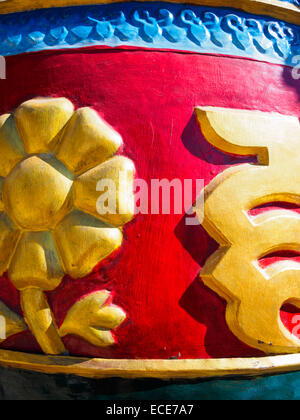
(274, 8)
(11, 323)
(39, 122)
(160, 369)
(40, 320)
(36, 262)
(9, 237)
(120, 171)
(254, 295)
(11, 147)
(92, 318)
(35, 194)
(101, 141)
(83, 241)
(47, 230)
(1, 197)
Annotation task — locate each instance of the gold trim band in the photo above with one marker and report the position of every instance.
(275, 8)
(160, 369)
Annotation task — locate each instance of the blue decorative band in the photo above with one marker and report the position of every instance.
(153, 25)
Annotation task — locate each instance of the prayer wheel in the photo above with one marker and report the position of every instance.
(149, 199)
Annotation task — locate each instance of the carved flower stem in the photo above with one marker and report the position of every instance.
(40, 320)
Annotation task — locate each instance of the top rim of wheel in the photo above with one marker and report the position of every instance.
(287, 10)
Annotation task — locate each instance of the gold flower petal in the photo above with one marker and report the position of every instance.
(9, 236)
(92, 319)
(83, 241)
(11, 147)
(87, 141)
(36, 194)
(40, 120)
(120, 171)
(36, 262)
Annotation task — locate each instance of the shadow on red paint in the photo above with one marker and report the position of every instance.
(207, 308)
(196, 241)
(196, 144)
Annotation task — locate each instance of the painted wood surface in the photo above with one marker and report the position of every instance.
(163, 139)
(141, 69)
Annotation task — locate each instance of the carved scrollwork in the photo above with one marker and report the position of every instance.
(277, 34)
(196, 28)
(166, 20)
(197, 31)
(150, 29)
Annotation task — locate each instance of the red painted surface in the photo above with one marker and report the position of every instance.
(149, 98)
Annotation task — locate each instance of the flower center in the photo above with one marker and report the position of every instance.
(35, 194)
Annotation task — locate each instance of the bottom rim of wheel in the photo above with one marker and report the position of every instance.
(148, 368)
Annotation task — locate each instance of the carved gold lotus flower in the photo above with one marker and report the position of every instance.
(51, 159)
